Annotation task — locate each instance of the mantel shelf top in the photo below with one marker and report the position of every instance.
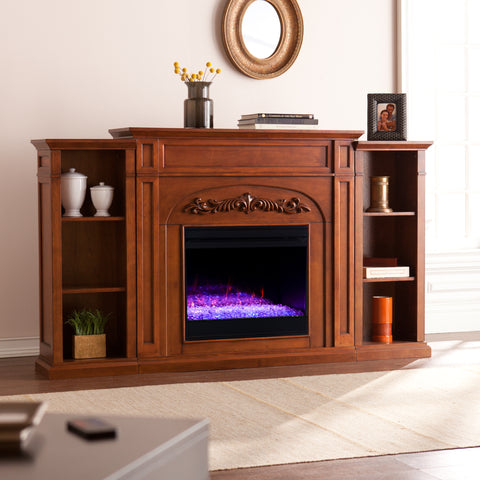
(400, 145)
(152, 132)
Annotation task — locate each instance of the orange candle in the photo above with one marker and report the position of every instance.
(382, 319)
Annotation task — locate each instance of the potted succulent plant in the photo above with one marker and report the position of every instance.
(89, 340)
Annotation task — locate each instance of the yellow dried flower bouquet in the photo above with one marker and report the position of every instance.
(207, 76)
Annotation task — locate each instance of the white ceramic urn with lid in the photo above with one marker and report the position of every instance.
(73, 186)
(102, 197)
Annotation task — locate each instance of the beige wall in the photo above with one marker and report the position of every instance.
(77, 68)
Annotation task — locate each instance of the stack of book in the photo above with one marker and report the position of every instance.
(300, 121)
(384, 268)
(17, 423)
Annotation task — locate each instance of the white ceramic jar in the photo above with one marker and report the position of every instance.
(73, 186)
(102, 197)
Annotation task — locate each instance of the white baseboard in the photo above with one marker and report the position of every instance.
(452, 301)
(19, 347)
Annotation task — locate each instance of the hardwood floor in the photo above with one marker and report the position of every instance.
(17, 376)
(439, 465)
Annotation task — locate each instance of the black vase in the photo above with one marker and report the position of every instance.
(198, 108)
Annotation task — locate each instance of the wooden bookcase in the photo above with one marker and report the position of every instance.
(131, 264)
(399, 234)
(88, 261)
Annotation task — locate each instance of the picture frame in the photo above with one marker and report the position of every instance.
(387, 116)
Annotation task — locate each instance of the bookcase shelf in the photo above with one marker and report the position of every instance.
(87, 261)
(392, 279)
(389, 214)
(79, 290)
(398, 234)
(92, 219)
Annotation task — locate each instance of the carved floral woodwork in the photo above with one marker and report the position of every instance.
(246, 203)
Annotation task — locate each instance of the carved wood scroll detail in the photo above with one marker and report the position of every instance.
(246, 203)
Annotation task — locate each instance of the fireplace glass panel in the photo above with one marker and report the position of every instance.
(246, 282)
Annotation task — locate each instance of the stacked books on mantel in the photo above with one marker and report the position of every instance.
(287, 121)
(384, 268)
(17, 424)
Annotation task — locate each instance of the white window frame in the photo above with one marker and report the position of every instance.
(452, 269)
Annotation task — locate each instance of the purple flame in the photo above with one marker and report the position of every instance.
(217, 302)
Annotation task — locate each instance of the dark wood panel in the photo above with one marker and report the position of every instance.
(93, 254)
(246, 345)
(344, 254)
(174, 289)
(147, 267)
(224, 156)
(344, 158)
(320, 301)
(148, 157)
(46, 269)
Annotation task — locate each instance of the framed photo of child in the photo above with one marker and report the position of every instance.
(387, 116)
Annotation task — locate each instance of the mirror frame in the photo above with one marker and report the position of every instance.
(291, 38)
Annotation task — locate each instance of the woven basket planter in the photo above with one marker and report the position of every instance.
(89, 346)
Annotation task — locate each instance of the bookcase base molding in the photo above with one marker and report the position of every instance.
(230, 249)
(187, 363)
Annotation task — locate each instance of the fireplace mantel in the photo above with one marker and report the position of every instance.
(169, 180)
(191, 133)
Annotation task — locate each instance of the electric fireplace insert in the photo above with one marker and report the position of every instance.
(246, 281)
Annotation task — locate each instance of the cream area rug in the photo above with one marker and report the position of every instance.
(300, 419)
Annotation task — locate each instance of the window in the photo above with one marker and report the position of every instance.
(441, 76)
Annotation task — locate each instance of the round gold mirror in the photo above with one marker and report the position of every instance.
(262, 38)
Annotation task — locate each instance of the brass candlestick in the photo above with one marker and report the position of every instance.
(379, 195)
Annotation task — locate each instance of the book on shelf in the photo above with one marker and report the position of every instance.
(277, 115)
(275, 126)
(278, 120)
(380, 261)
(292, 121)
(386, 272)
